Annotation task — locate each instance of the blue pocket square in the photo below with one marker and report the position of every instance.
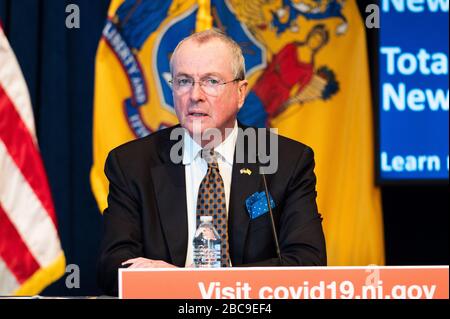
(257, 204)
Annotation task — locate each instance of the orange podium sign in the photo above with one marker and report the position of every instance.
(371, 282)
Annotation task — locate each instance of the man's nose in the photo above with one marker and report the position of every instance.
(197, 93)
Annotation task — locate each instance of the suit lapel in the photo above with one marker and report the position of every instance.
(242, 186)
(169, 182)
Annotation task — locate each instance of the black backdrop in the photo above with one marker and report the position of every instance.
(58, 65)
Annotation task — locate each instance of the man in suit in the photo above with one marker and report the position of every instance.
(157, 194)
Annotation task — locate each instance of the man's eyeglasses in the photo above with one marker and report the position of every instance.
(209, 85)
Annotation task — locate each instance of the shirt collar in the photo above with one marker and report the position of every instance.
(190, 149)
(225, 149)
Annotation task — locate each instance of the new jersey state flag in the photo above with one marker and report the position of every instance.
(306, 63)
(30, 250)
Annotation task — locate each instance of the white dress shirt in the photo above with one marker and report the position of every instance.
(195, 168)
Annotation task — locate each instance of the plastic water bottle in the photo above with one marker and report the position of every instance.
(206, 245)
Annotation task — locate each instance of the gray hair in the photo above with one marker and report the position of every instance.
(238, 63)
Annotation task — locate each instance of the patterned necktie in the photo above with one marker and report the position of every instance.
(211, 202)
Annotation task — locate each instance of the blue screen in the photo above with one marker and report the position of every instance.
(413, 88)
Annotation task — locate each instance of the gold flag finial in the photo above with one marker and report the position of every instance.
(204, 18)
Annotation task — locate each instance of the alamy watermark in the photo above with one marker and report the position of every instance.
(253, 145)
(372, 20)
(73, 17)
(73, 277)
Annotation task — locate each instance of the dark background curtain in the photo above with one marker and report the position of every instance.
(58, 65)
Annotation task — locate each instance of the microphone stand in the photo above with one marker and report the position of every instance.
(272, 222)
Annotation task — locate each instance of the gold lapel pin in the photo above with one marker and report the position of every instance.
(246, 171)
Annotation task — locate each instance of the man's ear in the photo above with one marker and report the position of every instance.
(242, 91)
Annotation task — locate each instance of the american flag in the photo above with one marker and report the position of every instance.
(30, 250)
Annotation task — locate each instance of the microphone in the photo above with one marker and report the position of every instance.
(272, 222)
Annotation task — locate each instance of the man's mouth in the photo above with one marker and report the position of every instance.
(197, 114)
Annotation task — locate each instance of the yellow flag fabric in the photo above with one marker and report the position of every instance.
(307, 67)
(340, 131)
(126, 103)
